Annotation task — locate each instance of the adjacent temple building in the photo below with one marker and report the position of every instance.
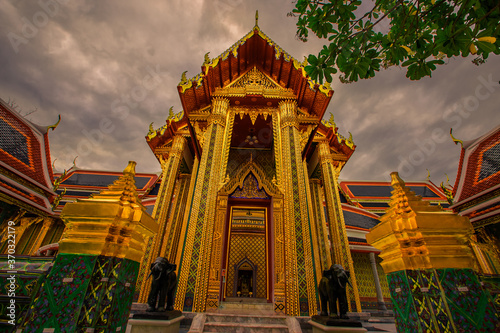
(248, 203)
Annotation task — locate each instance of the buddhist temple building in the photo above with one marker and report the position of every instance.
(477, 195)
(249, 202)
(26, 190)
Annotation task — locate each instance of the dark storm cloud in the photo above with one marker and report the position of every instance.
(110, 68)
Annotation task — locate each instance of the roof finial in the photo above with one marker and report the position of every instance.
(74, 163)
(53, 127)
(457, 141)
(130, 169)
(256, 18)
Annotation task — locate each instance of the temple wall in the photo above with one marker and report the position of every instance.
(364, 276)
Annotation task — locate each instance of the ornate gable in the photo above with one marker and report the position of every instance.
(254, 78)
(254, 51)
(25, 170)
(254, 82)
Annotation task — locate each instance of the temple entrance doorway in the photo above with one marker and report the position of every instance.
(245, 277)
(247, 253)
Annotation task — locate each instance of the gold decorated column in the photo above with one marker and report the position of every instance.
(170, 169)
(194, 274)
(299, 265)
(4, 235)
(21, 227)
(185, 217)
(171, 239)
(330, 169)
(320, 224)
(37, 243)
(315, 233)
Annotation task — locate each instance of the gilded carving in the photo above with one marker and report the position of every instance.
(254, 82)
(228, 132)
(254, 78)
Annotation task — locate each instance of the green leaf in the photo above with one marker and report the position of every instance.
(447, 27)
(485, 47)
(312, 59)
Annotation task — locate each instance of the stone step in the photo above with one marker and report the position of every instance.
(381, 320)
(228, 327)
(244, 319)
(245, 300)
(247, 306)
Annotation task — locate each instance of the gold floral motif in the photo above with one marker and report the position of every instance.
(255, 79)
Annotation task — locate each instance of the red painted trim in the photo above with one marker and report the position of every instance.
(360, 211)
(356, 228)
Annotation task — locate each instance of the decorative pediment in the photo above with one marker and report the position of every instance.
(254, 79)
(254, 82)
(266, 185)
(250, 189)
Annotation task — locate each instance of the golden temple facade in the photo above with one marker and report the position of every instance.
(249, 200)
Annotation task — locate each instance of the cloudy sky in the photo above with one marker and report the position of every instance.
(110, 68)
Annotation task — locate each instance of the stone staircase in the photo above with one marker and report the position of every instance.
(239, 323)
(256, 306)
(244, 316)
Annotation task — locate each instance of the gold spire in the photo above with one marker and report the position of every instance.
(110, 223)
(413, 234)
(396, 181)
(256, 18)
(130, 169)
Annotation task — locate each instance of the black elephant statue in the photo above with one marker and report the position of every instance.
(162, 286)
(332, 287)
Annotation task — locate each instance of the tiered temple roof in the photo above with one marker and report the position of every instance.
(25, 169)
(79, 183)
(284, 78)
(477, 187)
(374, 196)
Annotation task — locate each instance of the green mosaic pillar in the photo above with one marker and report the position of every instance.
(441, 300)
(430, 267)
(91, 284)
